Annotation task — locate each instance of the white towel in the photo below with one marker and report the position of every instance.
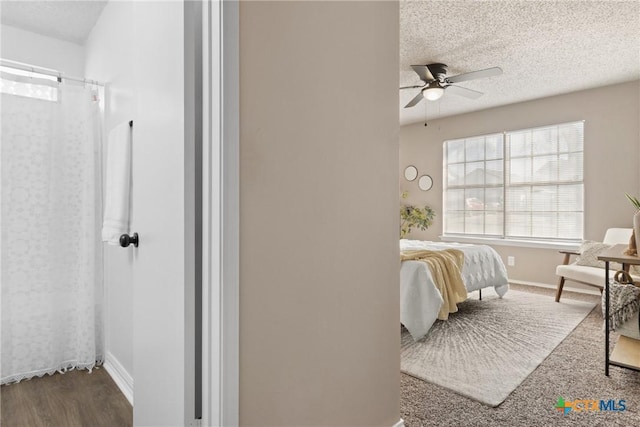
(118, 186)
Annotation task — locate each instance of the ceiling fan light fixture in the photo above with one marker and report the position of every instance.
(433, 92)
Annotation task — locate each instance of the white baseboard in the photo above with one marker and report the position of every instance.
(567, 287)
(399, 423)
(120, 376)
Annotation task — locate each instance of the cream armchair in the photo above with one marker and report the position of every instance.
(592, 276)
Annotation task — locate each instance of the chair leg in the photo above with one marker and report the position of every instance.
(559, 290)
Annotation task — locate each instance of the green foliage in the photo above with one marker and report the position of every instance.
(634, 201)
(411, 216)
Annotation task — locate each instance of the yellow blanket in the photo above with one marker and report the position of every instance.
(446, 267)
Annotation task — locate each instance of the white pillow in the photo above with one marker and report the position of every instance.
(589, 252)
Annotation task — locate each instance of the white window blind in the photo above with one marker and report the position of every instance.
(526, 184)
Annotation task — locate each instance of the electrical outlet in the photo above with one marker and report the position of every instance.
(511, 261)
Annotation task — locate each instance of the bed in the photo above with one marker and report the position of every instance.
(420, 300)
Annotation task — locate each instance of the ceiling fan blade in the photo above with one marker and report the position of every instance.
(413, 87)
(480, 74)
(463, 91)
(423, 72)
(415, 100)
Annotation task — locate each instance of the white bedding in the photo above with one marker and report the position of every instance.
(420, 300)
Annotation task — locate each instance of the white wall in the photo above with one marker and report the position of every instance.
(35, 49)
(611, 151)
(109, 59)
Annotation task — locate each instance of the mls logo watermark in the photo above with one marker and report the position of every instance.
(590, 405)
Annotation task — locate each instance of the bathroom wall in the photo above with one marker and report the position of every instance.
(109, 59)
(35, 49)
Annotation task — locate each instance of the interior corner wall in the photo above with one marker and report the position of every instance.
(611, 156)
(109, 59)
(319, 256)
(47, 52)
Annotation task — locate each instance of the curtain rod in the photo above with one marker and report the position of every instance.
(46, 71)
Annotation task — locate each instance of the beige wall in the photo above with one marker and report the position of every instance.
(319, 267)
(611, 161)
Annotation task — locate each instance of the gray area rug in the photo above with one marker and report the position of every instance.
(489, 347)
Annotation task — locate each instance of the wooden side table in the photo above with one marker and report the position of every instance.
(626, 352)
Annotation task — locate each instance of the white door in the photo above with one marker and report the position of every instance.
(162, 216)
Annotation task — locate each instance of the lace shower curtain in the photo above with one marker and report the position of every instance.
(51, 257)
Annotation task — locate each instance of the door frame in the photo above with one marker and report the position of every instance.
(220, 216)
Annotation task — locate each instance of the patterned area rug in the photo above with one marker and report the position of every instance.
(489, 347)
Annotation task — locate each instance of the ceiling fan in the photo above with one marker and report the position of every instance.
(436, 82)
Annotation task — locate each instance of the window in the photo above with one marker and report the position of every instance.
(526, 184)
(28, 84)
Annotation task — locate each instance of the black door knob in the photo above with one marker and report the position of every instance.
(126, 240)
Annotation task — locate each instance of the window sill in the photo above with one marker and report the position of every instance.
(540, 244)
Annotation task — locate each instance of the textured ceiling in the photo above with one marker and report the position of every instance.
(545, 48)
(67, 20)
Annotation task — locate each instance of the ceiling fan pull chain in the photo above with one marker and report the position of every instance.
(425, 114)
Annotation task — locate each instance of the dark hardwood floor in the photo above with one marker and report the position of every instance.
(73, 399)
